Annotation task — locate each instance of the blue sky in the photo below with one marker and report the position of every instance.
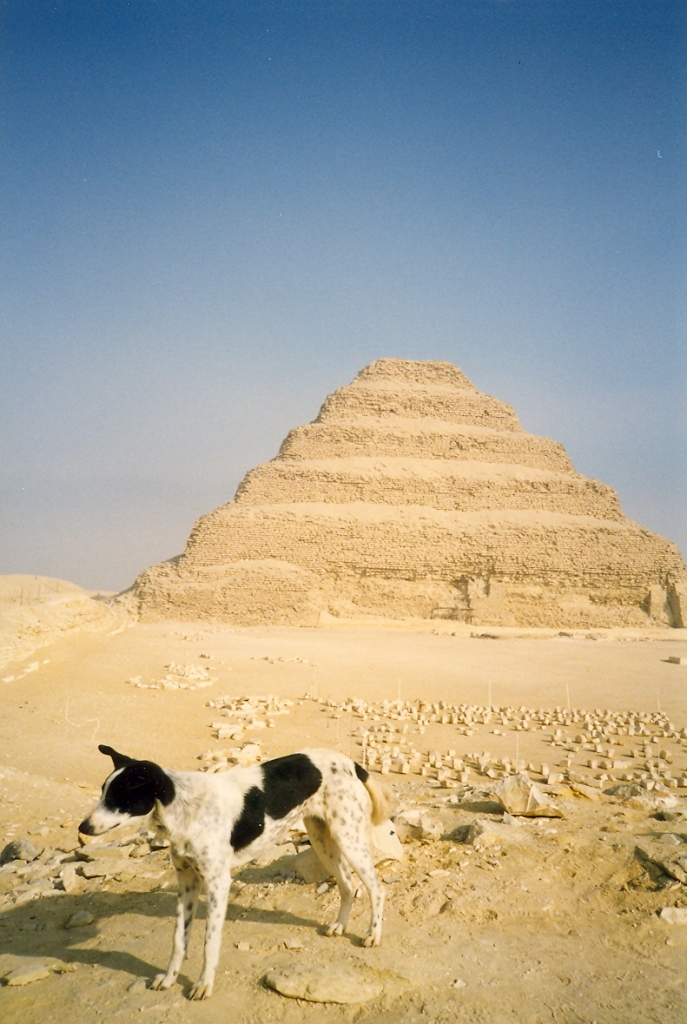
(215, 213)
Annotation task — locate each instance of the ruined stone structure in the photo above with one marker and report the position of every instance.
(414, 495)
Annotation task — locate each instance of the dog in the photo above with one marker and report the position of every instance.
(218, 822)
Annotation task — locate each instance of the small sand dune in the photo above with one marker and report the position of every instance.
(35, 610)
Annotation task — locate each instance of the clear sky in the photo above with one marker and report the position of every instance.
(215, 212)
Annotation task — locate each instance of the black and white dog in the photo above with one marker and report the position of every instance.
(217, 822)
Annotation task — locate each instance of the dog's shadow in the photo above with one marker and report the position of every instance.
(38, 929)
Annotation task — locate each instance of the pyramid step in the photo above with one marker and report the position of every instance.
(425, 543)
(416, 373)
(450, 404)
(442, 484)
(423, 439)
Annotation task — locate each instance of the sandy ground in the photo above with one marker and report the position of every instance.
(554, 920)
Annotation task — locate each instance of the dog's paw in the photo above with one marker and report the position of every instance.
(334, 929)
(162, 981)
(200, 991)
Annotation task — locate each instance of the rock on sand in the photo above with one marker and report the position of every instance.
(325, 984)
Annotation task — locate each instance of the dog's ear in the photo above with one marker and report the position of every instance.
(120, 760)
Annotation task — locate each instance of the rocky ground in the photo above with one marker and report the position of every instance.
(576, 914)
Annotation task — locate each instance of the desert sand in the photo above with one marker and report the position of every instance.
(543, 919)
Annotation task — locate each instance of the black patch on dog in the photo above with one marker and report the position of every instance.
(137, 787)
(119, 760)
(289, 781)
(251, 822)
(361, 773)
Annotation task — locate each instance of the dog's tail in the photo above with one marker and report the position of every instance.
(380, 801)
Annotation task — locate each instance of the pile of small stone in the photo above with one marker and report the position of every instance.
(248, 712)
(281, 660)
(220, 760)
(28, 873)
(177, 677)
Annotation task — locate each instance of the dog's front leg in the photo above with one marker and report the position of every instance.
(189, 889)
(218, 894)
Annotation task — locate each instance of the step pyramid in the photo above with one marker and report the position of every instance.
(414, 495)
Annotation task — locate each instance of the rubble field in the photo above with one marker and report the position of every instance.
(535, 862)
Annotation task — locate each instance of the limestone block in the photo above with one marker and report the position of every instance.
(27, 974)
(485, 834)
(407, 828)
(674, 915)
(386, 842)
(325, 983)
(309, 867)
(71, 882)
(19, 849)
(80, 919)
(103, 868)
(93, 852)
(670, 859)
(519, 796)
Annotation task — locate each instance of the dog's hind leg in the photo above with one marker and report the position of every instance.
(189, 890)
(329, 852)
(355, 847)
(217, 896)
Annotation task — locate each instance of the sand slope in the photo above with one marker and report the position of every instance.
(35, 610)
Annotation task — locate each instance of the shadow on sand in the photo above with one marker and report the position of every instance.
(37, 929)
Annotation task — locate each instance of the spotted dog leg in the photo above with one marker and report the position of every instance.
(218, 894)
(329, 852)
(189, 890)
(354, 845)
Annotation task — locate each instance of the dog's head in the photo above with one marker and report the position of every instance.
(130, 792)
